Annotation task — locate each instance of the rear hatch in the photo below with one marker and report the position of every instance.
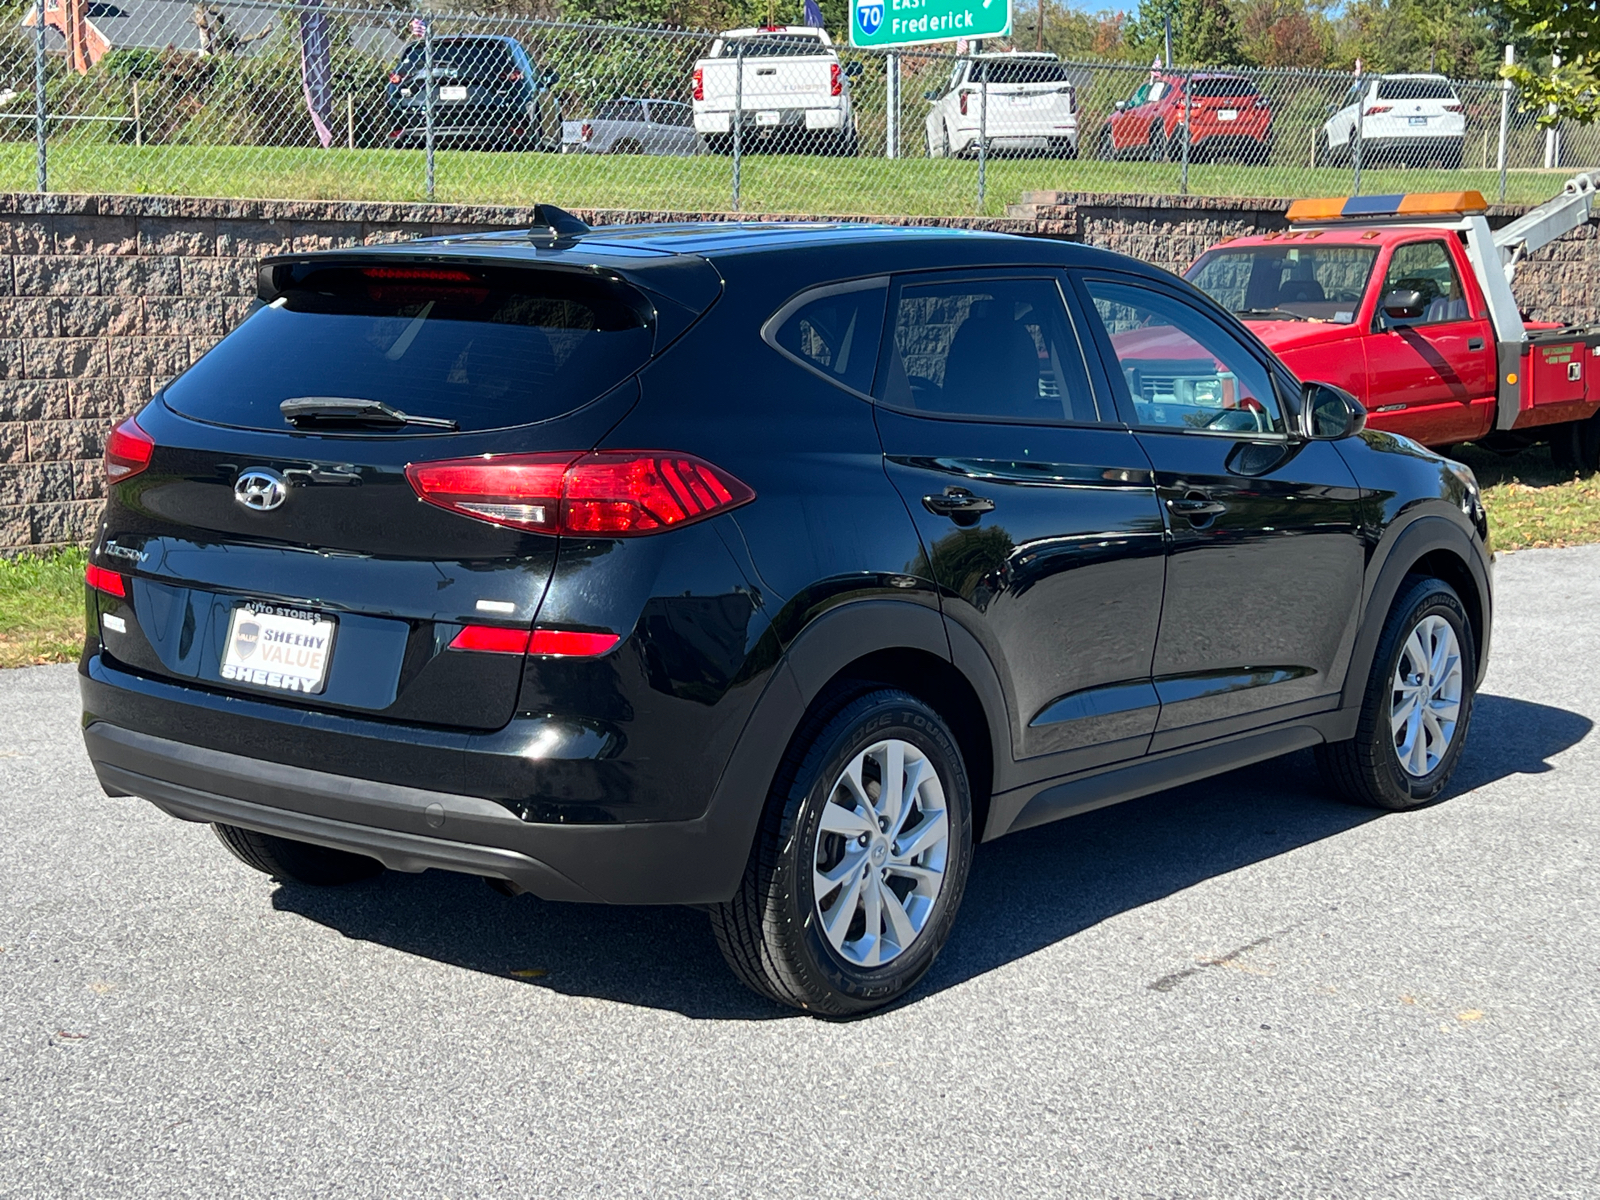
(780, 71)
(1022, 88)
(274, 545)
(1218, 102)
(472, 75)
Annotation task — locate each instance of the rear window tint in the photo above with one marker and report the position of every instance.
(1224, 87)
(836, 334)
(1023, 70)
(464, 55)
(1415, 89)
(620, 110)
(483, 347)
(780, 46)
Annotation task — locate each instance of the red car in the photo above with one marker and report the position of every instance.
(1228, 117)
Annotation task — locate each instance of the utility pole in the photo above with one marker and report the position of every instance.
(1041, 24)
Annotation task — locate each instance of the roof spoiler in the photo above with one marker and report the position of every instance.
(558, 221)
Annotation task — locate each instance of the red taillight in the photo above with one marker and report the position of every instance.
(102, 580)
(563, 643)
(963, 104)
(396, 78)
(1452, 108)
(513, 76)
(418, 274)
(699, 84)
(1376, 110)
(586, 132)
(835, 82)
(128, 451)
(611, 493)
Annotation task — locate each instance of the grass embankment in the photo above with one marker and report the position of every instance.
(769, 183)
(41, 609)
(1531, 504)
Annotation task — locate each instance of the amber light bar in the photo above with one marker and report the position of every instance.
(1407, 204)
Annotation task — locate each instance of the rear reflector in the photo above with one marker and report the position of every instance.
(497, 639)
(128, 451)
(611, 493)
(102, 580)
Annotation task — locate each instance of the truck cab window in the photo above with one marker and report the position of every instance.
(1424, 267)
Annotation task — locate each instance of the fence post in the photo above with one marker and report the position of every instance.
(1505, 121)
(891, 98)
(738, 118)
(983, 133)
(1552, 138)
(138, 123)
(1188, 90)
(1355, 150)
(349, 120)
(38, 97)
(427, 95)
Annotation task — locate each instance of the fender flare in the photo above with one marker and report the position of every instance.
(1424, 535)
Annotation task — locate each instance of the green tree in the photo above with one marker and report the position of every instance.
(1283, 33)
(1573, 32)
(1204, 32)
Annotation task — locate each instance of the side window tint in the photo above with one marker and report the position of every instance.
(1183, 371)
(1424, 267)
(836, 334)
(997, 348)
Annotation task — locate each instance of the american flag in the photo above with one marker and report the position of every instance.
(419, 27)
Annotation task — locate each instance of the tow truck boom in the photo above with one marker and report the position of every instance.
(1540, 226)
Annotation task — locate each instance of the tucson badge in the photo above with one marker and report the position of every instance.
(260, 490)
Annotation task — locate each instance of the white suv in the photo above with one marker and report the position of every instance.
(1033, 107)
(1410, 119)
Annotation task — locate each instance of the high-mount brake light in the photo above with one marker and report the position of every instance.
(609, 493)
(128, 451)
(418, 274)
(1409, 204)
(102, 580)
(554, 643)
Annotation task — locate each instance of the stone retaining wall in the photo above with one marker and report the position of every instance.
(105, 298)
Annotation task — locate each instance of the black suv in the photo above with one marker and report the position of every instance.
(760, 567)
(488, 95)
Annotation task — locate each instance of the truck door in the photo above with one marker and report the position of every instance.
(1431, 377)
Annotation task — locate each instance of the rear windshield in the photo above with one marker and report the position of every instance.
(1415, 89)
(1224, 87)
(773, 46)
(471, 54)
(1023, 70)
(482, 347)
(620, 110)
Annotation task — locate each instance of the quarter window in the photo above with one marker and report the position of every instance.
(1424, 267)
(995, 349)
(1182, 370)
(835, 332)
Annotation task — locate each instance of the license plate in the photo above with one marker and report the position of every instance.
(452, 93)
(282, 649)
(1227, 114)
(767, 118)
(1419, 120)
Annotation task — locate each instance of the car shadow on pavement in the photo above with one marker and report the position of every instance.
(1026, 892)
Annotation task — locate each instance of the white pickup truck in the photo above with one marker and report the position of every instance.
(792, 95)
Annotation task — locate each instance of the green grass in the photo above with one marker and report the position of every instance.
(774, 184)
(41, 608)
(1531, 502)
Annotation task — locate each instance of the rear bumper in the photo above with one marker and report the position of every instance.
(399, 794)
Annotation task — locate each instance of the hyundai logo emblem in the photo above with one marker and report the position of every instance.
(260, 490)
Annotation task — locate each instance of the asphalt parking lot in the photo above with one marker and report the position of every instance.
(1239, 988)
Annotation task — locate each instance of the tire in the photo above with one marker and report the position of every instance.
(1160, 145)
(300, 862)
(1369, 769)
(1575, 446)
(774, 933)
(716, 143)
(1451, 159)
(1108, 148)
(626, 146)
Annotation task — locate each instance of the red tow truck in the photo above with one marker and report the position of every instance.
(1406, 301)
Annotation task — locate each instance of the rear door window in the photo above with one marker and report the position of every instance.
(485, 347)
(991, 349)
(1415, 89)
(620, 110)
(1024, 70)
(1226, 86)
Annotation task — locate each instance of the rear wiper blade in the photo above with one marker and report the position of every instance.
(352, 410)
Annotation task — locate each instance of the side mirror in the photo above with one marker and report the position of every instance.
(1328, 413)
(931, 97)
(1404, 304)
(1120, 105)
(853, 70)
(550, 78)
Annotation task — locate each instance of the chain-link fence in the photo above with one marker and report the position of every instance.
(309, 100)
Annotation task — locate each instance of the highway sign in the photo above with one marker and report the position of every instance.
(909, 22)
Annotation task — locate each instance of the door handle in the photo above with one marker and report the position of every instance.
(960, 505)
(1196, 507)
(1474, 343)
